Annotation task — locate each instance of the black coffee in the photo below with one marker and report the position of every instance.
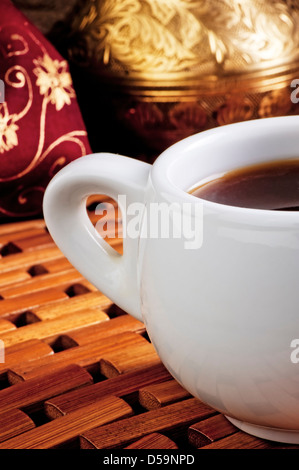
(273, 186)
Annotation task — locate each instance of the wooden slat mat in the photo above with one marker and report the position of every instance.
(79, 372)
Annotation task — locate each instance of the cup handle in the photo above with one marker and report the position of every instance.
(67, 220)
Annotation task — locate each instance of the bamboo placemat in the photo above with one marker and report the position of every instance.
(80, 373)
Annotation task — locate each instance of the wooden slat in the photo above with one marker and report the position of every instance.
(115, 326)
(26, 260)
(161, 420)
(157, 395)
(97, 199)
(67, 428)
(118, 386)
(240, 440)
(32, 393)
(85, 356)
(153, 441)
(17, 305)
(50, 329)
(13, 277)
(24, 353)
(210, 430)
(85, 301)
(15, 227)
(60, 281)
(29, 233)
(56, 265)
(6, 326)
(13, 423)
(127, 360)
(33, 242)
(75, 363)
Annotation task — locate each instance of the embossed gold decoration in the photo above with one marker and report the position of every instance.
(8, 129)
(55, 86)
(37, 87)
(181, 66)
(54, 81)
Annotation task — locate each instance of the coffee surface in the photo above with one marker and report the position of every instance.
(273, 186)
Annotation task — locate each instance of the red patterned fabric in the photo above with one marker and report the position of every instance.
(41, 127)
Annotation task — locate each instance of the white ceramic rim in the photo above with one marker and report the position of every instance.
(180, 151)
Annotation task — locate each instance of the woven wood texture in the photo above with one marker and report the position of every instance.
(80, 373)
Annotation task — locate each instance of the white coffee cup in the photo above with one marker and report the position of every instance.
(221, 309)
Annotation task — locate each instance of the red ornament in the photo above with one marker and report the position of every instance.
(41, 127)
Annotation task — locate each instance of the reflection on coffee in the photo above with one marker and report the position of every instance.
(273, 185)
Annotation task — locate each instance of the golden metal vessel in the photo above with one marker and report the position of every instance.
(176, 67)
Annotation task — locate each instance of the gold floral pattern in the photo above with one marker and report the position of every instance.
(175, 67)
(54, 86)
(41, 127)
(54, 81)
(8, 129)
(275, 103)
(235, 110)
(146, 37)
(188, 116)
